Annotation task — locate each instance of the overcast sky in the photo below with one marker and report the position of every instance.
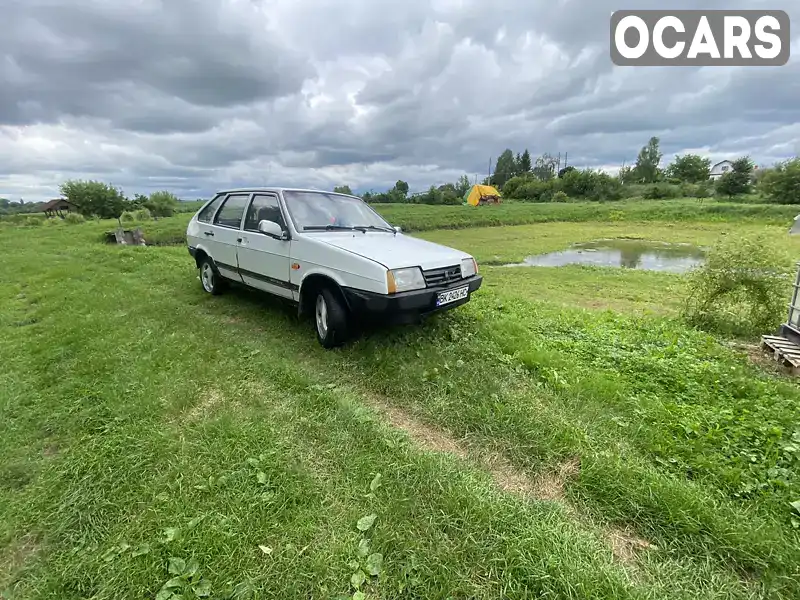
(198, 95)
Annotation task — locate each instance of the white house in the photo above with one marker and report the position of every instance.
(719, 169)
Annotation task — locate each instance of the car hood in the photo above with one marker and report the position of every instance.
(393, 251)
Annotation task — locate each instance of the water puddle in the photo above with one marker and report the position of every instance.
(629, 254)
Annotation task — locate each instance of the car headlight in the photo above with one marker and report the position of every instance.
(469, 268)
(405, 280)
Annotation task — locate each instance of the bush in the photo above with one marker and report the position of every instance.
(740, 290)
(74, 219)
(33, 221)
(592, 185)
(162, 204)
(782, 184)
(143, 214)
(511, 187)
(127, 217)
(537, 191)
(661, 191)
(704, 190)
(560, 196)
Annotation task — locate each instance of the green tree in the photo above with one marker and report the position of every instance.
(738, 180)
(544, 167)
(401, 187)
(649, 158)
(518, 164)
(782, 183)
(343, 189)
(525, 164)
(505, 168)
(95, 198)
(462, 186)
(564, 171)
(162, 204)
(689, 168)
(627, 175)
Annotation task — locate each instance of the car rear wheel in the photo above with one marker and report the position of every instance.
(330, 318)
(211, 280)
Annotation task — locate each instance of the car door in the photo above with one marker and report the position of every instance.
(201, 232)
(263, 259)
(226, 233)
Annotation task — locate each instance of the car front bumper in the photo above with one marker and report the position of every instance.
(418, 302)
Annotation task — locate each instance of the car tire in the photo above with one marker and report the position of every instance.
(210, 278)
(330, 319)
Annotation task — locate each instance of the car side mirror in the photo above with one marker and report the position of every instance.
(272, 229)
(397, 229)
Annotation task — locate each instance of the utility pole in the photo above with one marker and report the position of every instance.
(565, 159)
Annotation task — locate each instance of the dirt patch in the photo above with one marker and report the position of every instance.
(15, 556)
(757, 356)
(51, 450)
(507, 477)
(551, 485)
(625, 545)
(425, 436)
(207, 404)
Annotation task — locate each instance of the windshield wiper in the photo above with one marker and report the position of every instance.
(328, 228)
(364, 228)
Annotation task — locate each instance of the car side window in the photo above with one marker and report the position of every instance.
(230, 215)
(263, 207)
(205, 215)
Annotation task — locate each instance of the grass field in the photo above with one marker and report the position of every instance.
(561, 436)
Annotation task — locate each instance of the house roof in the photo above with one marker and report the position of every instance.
(722, 162)
(53, 203)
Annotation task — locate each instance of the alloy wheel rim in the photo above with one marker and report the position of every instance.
(207, 277)
(322, 316)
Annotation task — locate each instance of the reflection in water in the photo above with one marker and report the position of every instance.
(630, 254)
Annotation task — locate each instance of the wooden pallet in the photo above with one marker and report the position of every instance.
(784, 351)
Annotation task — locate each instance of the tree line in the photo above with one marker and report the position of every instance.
(521, 177)
(102, 200)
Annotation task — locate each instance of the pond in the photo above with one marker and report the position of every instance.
(629, 254)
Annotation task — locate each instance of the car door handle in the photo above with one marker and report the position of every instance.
(211, 233)
(239, 240)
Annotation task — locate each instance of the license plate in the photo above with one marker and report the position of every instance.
(452, 296)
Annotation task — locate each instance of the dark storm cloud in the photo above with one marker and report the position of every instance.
(198, 95)
(75, 57)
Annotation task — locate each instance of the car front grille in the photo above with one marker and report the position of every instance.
(443, 276)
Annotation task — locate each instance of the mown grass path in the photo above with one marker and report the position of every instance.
(141, 420)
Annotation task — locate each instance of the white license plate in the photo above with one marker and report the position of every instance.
(452, 296)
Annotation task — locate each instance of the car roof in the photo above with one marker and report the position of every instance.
(276, 190)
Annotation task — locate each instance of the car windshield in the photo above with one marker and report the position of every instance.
(321, 210)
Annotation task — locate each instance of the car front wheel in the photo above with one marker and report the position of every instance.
(330, 318)
(212, 282)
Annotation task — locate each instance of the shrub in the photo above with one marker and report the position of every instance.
(782, 184)
(33, 222)
(74, 218)
(704, 190)
(741, 289)
(560, 196)
(592, 185)
(127, 216)
(661, 191)
(143, 214)
(511, 187)
(162, 204)
(537, 191)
